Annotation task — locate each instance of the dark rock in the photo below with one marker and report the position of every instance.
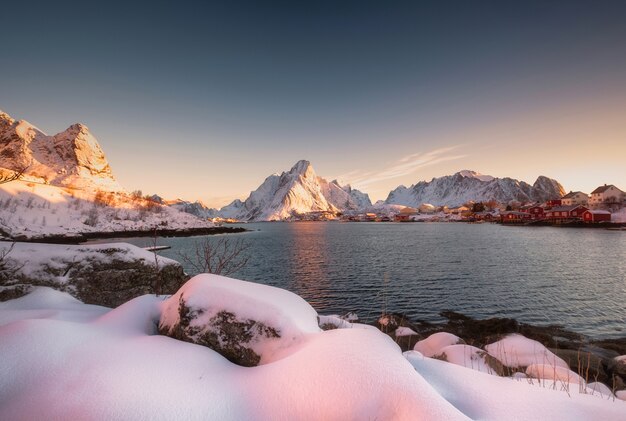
(112, 284)
(589, 366)
(224, 333)
(105, 276)
(619, 368)
(14, 291)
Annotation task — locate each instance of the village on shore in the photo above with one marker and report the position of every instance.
(606, 205)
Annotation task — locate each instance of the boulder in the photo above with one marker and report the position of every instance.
(104, 274)
(247, 323)
(587, 364)
(435, 343)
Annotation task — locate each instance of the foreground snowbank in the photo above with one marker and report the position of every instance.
(60, 359)
(113, 366)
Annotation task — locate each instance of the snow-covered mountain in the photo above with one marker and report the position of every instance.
(72, 158)
(68, 188)
(196, 208)
(464, 186)
(296, 191)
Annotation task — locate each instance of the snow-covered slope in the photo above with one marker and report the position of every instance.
(296, 191)
(464, 186)
(31, 210)
(72, 158)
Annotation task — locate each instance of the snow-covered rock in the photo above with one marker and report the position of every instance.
(465, 186)
(517, 351)
(297, 191)
(404, 331)
(72, 158)
(248, 323)
(552, 372)
(599, 389)
(470, 357)
(484, 397)
(435, 343)
(104, 274)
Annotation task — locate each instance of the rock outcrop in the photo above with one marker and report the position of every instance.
(247, 323)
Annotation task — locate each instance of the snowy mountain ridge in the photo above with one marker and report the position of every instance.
(72, 158)
(296, 191)
(465, 186)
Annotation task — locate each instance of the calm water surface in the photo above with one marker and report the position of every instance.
(542, 275)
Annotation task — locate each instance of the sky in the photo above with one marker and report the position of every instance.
(203, 100)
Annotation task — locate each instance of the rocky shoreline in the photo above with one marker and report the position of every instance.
(593, 359)
(86, 236)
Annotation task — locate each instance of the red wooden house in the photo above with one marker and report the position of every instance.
(512, 217)
(553, 203)
(536, 212)
(595, 216)
(563, 213)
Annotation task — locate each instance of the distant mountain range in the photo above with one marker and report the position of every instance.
(300, 190)
(465, 186)
(73, 158)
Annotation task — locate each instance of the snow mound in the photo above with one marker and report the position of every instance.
(518, 351)
(211, 305)
(621, 394)
(483, 397)
(115, 368)
(404, 331)
(468, 356)
(552, 372)
(599, 389)
(333, 322)
(434, 344)
(48, 303)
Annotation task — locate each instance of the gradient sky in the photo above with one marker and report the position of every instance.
(203, 100)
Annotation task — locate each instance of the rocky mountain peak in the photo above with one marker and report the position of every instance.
(72, 158)
(5, 119)
(303, 168)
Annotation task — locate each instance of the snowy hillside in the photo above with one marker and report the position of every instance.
(464, 186)
(296, 191)
(72, 158)
(32, 210)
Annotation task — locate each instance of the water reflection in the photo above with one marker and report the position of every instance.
(572, 277)
(308, 263)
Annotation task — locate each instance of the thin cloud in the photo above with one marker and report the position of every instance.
(404, 166)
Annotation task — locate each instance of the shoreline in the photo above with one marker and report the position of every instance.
(593, 358)
(80, 238)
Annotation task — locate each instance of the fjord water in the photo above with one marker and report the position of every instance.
(541, 275)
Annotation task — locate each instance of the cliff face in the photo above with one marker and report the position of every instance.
(72, 158)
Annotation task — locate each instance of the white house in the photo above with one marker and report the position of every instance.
(607, 197)
(575, 198)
